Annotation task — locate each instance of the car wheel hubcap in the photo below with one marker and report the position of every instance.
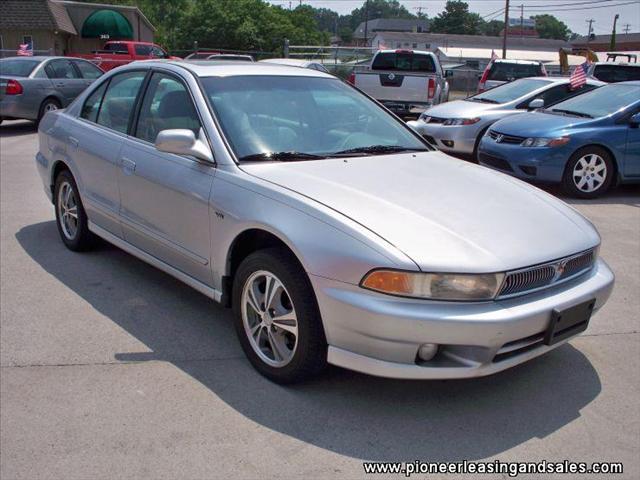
(269, 318)
(590, 173)
(50, 107)
(68, 210)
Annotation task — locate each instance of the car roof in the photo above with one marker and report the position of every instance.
(289, 61)
(42, 58)
(226, 68)
(522, 62)
(590, 80)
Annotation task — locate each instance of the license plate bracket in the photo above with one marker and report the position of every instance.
(568, 322)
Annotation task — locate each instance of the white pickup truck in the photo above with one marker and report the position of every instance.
(407, 82)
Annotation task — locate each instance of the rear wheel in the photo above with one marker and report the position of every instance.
(49, 105)
(70, 215)
(276, 317)
(589, 173)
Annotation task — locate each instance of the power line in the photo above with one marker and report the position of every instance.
(592, 7)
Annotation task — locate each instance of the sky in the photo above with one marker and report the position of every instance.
(575, 19)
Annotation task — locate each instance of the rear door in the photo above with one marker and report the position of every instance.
(95, 141)
(66, 79)
(165, 197)
(400, 75)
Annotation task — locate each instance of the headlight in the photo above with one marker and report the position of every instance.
(461, 121)
(545, 142)
(435, 286)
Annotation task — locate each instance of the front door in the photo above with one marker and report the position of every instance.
(165, 197)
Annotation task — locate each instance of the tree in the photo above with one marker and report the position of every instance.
(549, 26)
(378, 9)
(492, 28)
(456, 18)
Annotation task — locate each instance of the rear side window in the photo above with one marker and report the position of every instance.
(507, 72)
(91, 105)
(406, 61)
(116, 48)
(119, 99)
(143, 50)
(89, 70)
(61, 69)
(167, 105)
(616, 73)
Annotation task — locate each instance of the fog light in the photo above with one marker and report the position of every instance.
(427, 351)
(447, 143)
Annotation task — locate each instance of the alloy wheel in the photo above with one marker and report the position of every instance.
(68, 210)
(269, 318)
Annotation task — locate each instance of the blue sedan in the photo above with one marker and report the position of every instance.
(587, 143)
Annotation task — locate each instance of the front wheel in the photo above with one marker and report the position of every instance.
(276, 317)
(589, 173)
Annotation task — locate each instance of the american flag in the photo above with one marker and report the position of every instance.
(579, 75)
(25, 50)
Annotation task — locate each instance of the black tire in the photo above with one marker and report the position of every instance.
(310, 354)
(474, 155)
(46, 106)
(570, 183)
(81, 239)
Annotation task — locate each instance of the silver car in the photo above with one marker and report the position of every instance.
(457, 127)
(336, 234)
(33, 86)
(298, 62)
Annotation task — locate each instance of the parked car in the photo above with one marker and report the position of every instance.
(613, 72)
(201, 54)
(587, 143)
(117, 53)
(231, 57)
(503, 70)
(407, 82)
(297, 62)
(33, 86)
(457, 127)
(337, 235)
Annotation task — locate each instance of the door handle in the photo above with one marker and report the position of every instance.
(60, 84)
(128, 166)
(74, 142)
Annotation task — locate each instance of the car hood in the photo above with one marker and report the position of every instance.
(461, 109)
(537, 124)
(445, 214)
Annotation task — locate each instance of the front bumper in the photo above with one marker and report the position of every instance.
(451, 138)
(540, 164)
(380, 335)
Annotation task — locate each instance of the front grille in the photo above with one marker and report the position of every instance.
(495, 162)
(540, 276)
(504, 138)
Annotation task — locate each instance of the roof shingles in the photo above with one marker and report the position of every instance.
(34, 14)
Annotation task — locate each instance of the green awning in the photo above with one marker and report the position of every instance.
(107, 24)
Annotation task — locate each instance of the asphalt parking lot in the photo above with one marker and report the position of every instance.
(112, 369)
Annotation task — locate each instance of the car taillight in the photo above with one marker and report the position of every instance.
(431, 88)
(352, 78)
(14, 88)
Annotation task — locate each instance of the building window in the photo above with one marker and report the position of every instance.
(419, 29)
(427, 46)
(414, 45)
(28, 40)
(398, 45)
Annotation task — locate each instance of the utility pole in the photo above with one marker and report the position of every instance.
(612, 44)
(627, 27)
(419, 9)
(366, 21)
(590, 22)
(506, 28)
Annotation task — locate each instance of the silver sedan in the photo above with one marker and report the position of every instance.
(33, 86)
(457, 127)
(332, 229)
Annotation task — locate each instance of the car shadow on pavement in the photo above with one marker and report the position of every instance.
(17, 129)
(345, 412)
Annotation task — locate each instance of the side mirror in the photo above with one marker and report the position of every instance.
(536, 103)
(184, 142)
(413, 124)
(634, 121)
(448, 73)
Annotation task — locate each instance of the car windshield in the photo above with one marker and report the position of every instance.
(506, 71)
(17, 68)
(302, 115)
(509, 91)
(600, 102)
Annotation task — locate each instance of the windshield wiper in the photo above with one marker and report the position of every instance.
(280, 157)
(484, 100)
(374, 149)
(571, 112)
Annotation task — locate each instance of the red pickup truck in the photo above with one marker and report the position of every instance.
(116, 53)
